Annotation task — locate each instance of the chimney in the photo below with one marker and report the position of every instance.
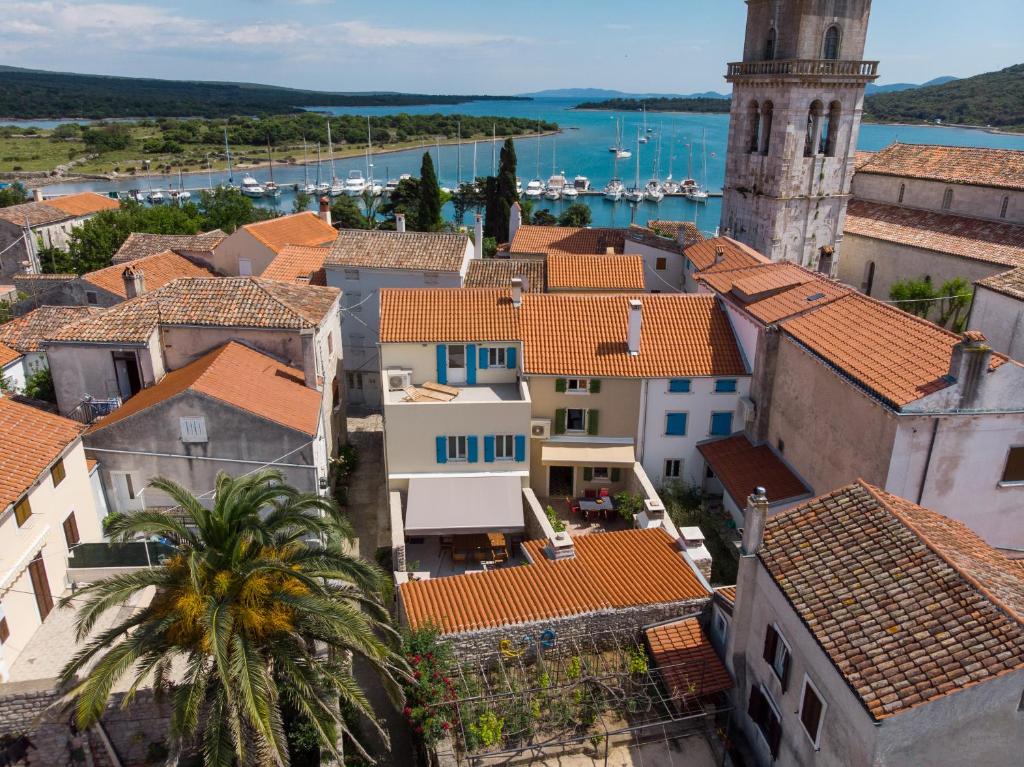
(37, 195)
(525, 280)
(754, 519)
(134, 282)
(610, 250)
(635, 319)
(478, 237)
(515, 220)
(400, 222)
(968, 364)
(307, 338)
(719, 255)
(517, 291)
(325, 209)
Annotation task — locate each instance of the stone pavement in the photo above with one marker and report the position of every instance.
(367, 491)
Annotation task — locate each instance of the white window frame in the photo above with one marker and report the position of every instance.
(582, 386)
(600, 474)
(247, 272)
(193, 429)
(718, 614)
(583, 427)
(458, 442)
(779, 669)
(679, 468)
(767, 695)
(504, 447)
(496, 357)
(815, 741)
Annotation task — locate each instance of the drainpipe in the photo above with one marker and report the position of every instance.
(928, 460)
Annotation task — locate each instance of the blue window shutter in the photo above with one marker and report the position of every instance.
(675, 424)
(721, 424)
(471, 448)
(510, 358)
(488, 448)
(520, 444)
(483, 358)
(442, 449)
(679, 385)
(725, 385)
(442, 364)
(471, 364)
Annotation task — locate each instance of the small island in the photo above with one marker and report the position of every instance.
(662, 104)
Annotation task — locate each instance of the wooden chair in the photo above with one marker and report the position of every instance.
(574, 509)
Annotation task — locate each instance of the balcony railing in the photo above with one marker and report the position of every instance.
(804, 67)
(116, 555)
(91, 409)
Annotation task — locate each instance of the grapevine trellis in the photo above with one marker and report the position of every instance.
(541, 695)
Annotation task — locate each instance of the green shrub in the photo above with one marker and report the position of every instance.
(557, 525)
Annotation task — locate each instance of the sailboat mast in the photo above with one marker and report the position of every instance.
(330, 154)
(474, 161)
(637, 182)
(319, 165)
(369, 151)
(305, 165)
(227, 152)
(494, 147)
(270, 156)
(458, 151)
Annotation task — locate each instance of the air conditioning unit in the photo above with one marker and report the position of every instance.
(747, 409)
(399, 379)
(540, 428)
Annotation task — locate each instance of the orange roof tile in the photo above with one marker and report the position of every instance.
(83, 203)
(447, 314)
(141, 244)
(580, 272)
(30, 441)
(728, 593)
(8, 355)
(305, 228)
(861, 157)
(90, 464)
(241, 377)
(774, 291)
(567, 239)
(26, 333)
(1009, 283)
(609, 571)
(57, 209)
(298, 263)
(909, 605)
(974, 238)
(498, 273)
(159, 269)
(734, 254)
(894, 355)
(688, 663)
(742, 466)
(381, 249)
(1001, 168)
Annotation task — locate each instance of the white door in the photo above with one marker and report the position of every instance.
(244, 267)
(456, 364)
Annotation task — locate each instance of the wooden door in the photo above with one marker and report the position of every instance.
(41, 586)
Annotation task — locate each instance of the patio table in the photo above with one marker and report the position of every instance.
(596, 506)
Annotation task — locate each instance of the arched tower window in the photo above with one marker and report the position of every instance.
(830, 134)
(1005, 205)
(754, 116)
(766, 126)
(903, 189)
(812, 140)
(769, 46)
(830, 50)
(947, 199)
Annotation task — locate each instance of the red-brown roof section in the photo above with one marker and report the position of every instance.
(30, 441)
(742, 466)
(305, 228)
(158, 270)
(584, 272)
(567, 239)
(1001, 168)
(687, 661)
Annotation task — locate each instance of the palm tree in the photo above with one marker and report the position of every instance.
(252, 616)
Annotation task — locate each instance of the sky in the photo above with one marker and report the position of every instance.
(478, 46)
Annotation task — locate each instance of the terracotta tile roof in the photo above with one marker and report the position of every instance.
(576, 272)
(447, 314)
(567, 239)
(771, 292)
(894, 355)
(909, 605)
(860, 157)
(728, 593)
(241, 377)
(57, 209)
(565, 334)
(297, 263)
(691, 234)
(296, 229)
(25, 333)
(430, 251)
(742, 466)
(246, 302)
(90, 464)
(159, 269)
(1009, 283)
(140, 245)
(974, 238)
(1002, 168)
(687, 661)
(498, 273)
(735, 255)
(8, 355)
(30, 440)
(609, 571)
(680, 335)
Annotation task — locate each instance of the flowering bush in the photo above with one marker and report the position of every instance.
(431, 687)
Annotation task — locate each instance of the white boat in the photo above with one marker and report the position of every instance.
(181, 197)
(250, 187)
(696, 195)
(391, 186)
(137, 196)
(355, 184)
(636, 193)
(271, 189)
(556, 185)
(621, 153)
(643, 138)
(535, 189)
(691, 189)
(569, 192)
(156, 197)
(309, 189)
(653, 192)
(581, 183)
(670, 186)
(336, 189)
(519, 187)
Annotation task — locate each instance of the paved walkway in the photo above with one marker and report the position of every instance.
(367, 491)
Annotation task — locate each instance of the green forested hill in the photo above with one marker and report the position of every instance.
(993, 98)
(33, 94)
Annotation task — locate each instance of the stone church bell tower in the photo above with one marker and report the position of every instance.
(796, 107)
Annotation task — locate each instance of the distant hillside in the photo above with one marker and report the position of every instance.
(599, 94)
(33, 94)
(994, 98)
(679, 104)
(872, 88)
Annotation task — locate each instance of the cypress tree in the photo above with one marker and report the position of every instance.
(505, 194)
(429, 209)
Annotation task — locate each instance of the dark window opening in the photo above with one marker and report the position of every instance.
(1013, 471)
(766, 127)
(831, 47)
(1005, 205)
(754, 144)
(769, 46)
(762, 712)
(903, 189)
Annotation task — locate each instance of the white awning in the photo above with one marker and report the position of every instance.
(587, 455)
(459, 505)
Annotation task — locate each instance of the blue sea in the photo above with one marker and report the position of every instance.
(581, 148)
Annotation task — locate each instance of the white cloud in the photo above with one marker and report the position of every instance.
(369, 35)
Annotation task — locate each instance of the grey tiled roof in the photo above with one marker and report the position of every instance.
(431, 251)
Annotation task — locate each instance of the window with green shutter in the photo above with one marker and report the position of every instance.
(592, 422)
(560, 421)
(588, 473)
(560, 385)
(595, 385)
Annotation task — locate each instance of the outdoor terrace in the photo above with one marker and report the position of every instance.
(430, 393)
